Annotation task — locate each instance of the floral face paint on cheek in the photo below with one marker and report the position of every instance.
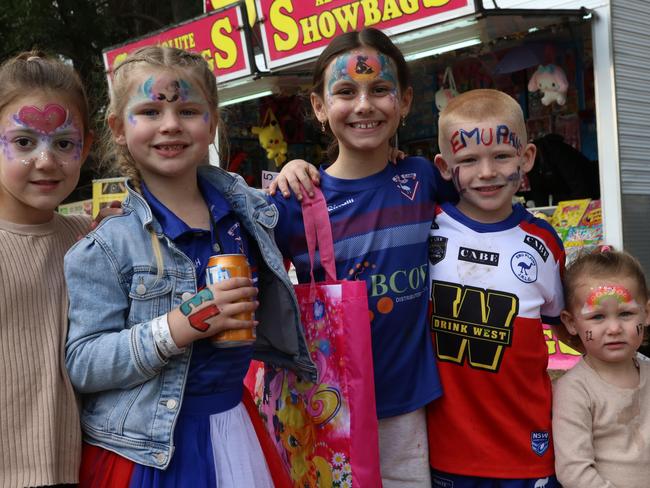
(601, 294)
(35, 134)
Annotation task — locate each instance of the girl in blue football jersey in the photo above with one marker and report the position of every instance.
(380, 216)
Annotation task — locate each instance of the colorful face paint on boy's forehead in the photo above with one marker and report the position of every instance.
(600, 294)
(359, 67)
(501, 134)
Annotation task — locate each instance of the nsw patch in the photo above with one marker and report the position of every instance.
(539, 442)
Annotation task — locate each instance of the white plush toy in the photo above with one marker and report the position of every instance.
(552, 82)
(443, 95)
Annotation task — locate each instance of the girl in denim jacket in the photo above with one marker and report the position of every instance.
(162, 406)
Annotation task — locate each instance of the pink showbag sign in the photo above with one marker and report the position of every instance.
(296, 30)
(217, 36)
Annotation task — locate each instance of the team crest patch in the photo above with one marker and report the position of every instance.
(437, 249)
(407, 184)
(539, 442)
(524, 266)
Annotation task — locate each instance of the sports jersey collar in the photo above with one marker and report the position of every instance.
(513, 220)
(171, 225)
(354, 185)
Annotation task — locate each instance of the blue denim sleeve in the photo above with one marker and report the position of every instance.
(102, 352)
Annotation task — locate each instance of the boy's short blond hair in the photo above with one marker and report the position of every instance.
(479, 105)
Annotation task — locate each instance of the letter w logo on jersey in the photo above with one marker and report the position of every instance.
(472, 322)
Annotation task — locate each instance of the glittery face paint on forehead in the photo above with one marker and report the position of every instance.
(32, 134)
(601, 294)
(359, 67)
(165, 88)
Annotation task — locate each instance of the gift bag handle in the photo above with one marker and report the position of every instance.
(318, 233)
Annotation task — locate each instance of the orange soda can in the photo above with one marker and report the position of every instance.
(223, 267)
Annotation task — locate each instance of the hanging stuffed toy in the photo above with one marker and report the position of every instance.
(443, 95)
(552, 82)
(271, 138)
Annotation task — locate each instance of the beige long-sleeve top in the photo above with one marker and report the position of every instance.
(40, 437)
(601, 432)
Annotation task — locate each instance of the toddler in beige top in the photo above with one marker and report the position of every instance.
(601, 420)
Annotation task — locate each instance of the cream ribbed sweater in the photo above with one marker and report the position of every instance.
(601, 432)
(40, 437)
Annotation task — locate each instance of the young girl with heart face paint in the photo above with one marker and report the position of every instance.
(162, 405)
(44, 139)
(601, 418)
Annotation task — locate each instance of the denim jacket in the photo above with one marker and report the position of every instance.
(131, 395)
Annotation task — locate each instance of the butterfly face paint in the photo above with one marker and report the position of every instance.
(34, 134)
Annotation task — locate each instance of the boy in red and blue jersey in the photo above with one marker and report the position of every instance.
(495, 277)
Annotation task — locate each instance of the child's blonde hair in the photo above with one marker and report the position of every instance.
(161, 58)
(479, 105)
(156, 57)
(32, 71)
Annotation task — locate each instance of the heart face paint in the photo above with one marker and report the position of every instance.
(34, 134)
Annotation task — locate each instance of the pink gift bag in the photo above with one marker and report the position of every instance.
(325, 432)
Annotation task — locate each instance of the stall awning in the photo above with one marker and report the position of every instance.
(482, 26)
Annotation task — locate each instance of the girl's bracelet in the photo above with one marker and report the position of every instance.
(163, 338)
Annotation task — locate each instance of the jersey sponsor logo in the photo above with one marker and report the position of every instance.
(334, 206)
(472, 322)
(539, 442)
(541, 483)
(524, 266)
(437, 249)
(538, 246)
(407, 184)
(479, 257)
(399, 281)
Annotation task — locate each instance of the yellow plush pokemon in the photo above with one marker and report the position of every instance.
(272, 139)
